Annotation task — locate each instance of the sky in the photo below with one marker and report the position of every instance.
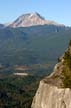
(56, 10)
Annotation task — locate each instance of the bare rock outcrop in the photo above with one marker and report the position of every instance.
(55, 90)
(49, 96)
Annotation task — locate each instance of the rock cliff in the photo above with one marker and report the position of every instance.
(55, 90)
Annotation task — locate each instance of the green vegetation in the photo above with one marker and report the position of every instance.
(66, 77)
(70, 43)
(17, 92)
(67, 69)
(67, 59)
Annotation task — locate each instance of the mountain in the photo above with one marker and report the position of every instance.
(31, 19)
(55, 90)
(28, 50)
(2, 26)
(33, 45)
(33, 50)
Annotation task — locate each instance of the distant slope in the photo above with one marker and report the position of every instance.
(2, 26)
(33, 45)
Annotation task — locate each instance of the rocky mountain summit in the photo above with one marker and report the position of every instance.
(55, 90)
(31, 19)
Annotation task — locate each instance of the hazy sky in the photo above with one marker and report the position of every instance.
(57, 10)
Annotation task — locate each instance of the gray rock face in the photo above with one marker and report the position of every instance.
(31, 19)
(49, 96)
(51, 92)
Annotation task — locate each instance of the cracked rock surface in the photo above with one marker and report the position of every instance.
(49, 96)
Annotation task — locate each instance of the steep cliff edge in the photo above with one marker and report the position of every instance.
(55, 90)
